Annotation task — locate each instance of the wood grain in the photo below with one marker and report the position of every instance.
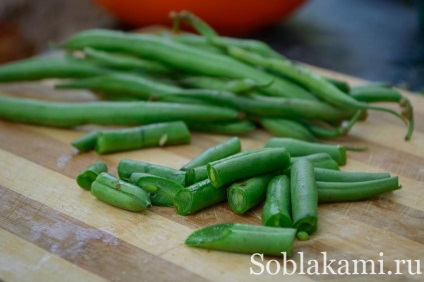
(50, 223)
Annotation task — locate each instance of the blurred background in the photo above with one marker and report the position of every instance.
(379, 40)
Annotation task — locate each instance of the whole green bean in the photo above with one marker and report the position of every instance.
(340, 84)
(355, 191)
(247, 194)
(244, 238)
(224, 149)
(127, 167)
(329, 175)
(145, 136)
(277, 209)
(239, 86)
(124, 62)
(48, 67)
(87, 142)
(318, 85)
(254, 163)
(304, 196)
(89, 175)
(61, 114)
(181, 57)
(162, 191)
(198, 196)
(287, 128)
(227, 128)
(115, 192)
(298, 148)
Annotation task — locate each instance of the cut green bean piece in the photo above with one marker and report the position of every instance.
(86, 142)
(48, 67)
(161, 190)
(145, 136)
(328, 175)
(304, 196)
(65, 114)
(227, 128)
(247, 194)
(118, 193)
(198, 196)
(321, 160)
(244, 238)
(124, 62)
(355, 191)
(298, 148)
(255, 163)
(127, 167)
(224, 149)
(277, 209)
(88, 176)
(303, 236)
(287, 128)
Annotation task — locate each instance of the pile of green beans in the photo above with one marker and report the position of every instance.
(215, 84)
(290, 177)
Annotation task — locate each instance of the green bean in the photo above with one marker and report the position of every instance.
(193, 40)
(376, 93)
(87, 142)
(61, 114)
(321, 160)
(254, 163)
(124, 62)
(319, 86)
(181, 57)
(239, 86)
(302, 236)
(304, 196)
(200, 173)
(355, 191)
(145, 136)
(244, 238)
(118, 193)
(340, 84)
(89, 175)
(228, 128)
(328, 175)
(48, 67)
(277, 209)
(127, 167)
(224, 149)
(247, 194)
(162, 191)
(198, 196)
(298, 148)
(287, 128)
(264, 106)
(210, 36)
(121, 84)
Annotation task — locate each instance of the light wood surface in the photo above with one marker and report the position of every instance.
(51, 230)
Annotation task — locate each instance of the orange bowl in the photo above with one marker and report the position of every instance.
(230, 17)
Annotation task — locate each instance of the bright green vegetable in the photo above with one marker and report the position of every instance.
(277, 209)
(304, 196)
(247, 194)
(162, 191)
(355, 191)
(48, 67)
(287, 128)
(115, 192)
(198, 196)
(298, 148)
(227, 128)
(244, 238)
(329, 175)
(302, 236)
(224, 149)
(145, 136)
(255, 163)
(89, 175)
(61, 114)
(321, 160)
(127, 167)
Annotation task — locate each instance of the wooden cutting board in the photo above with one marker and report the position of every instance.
(50, 229)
